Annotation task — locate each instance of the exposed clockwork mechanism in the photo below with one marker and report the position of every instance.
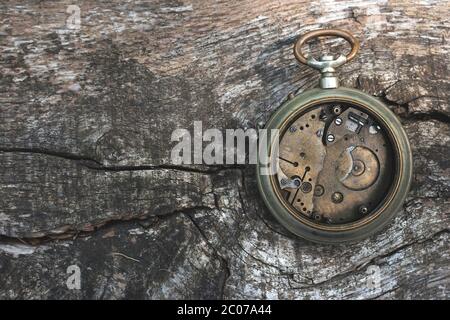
(335, 164)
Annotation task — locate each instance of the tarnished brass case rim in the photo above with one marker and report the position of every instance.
(365, 227)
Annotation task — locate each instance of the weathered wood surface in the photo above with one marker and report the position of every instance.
(85, 123)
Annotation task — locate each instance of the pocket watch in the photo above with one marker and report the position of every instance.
(342, 164)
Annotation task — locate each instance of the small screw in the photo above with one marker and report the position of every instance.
(337, 197)
(363, 210)
(338, 121)
(283, 181)
(330, 138)
(292, 129)
(323, 117)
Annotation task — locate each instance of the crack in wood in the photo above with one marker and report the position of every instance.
(96, 165)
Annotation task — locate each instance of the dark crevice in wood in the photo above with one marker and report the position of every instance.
(385, 293)
(405, 246)
(434, 115)
(96, 165)
(410, 116)
(223, 261)
(72, 233)
(60, 154)
(358, 268)
(280, 270)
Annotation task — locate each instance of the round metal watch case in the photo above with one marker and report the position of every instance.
(344, 165)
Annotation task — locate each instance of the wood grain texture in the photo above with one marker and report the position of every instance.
(86, 118)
